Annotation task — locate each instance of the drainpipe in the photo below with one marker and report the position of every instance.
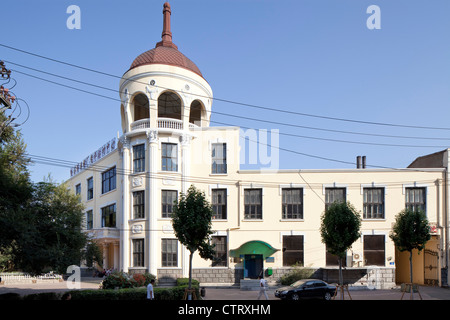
(446, 222)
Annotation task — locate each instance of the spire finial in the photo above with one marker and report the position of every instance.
(166, 35)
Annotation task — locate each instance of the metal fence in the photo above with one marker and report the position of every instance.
(19, 277)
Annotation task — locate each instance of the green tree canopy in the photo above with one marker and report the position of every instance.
(410, 231)
(191, 220)
(340, 228)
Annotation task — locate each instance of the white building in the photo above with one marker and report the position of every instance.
(266, 221)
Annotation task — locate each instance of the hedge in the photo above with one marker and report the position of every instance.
(173, 293)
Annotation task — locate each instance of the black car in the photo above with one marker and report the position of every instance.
(307, 289)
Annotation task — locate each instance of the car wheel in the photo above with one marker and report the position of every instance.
(327, 296)
(295, 297)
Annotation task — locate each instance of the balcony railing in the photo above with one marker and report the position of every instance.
(164, 123)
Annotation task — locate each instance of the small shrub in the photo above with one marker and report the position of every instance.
(43, 296)
(297, 273)
(10, 296)
(118, 280)
(185, 282)
(139, 278)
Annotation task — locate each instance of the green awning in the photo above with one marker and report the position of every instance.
(254, 247)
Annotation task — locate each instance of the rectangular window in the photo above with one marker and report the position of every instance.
(333, 260)
(78, 189)
(374, 250)
(89, 220)
(109, 216)
(90, 188)
(169, 253)
(253, 203)
(373, 203)
(220, 255)
(138, 252)
(139, 204)
(293, 251)
(292, 204)
(416, 199)
(169, 158)
(219, 203)
(219, 158)
(334, 195)
(168, 199)
(109, 180)
(139, 158)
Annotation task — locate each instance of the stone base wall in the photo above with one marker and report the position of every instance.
(168, 277)
(371, 277)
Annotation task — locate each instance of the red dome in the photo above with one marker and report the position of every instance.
(166, 52)
(165, 55)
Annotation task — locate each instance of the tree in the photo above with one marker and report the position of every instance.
(410, 231)
(191, 220)
(16, 190)
(340, 228)
(52, 236)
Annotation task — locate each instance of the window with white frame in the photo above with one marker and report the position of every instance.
(169, 252)
(109, 216)
(89, 220)
(139, 158)
(292, 203)
(138, 252)
(139, 204)
(373, 203)
(333, 195)
(415, 198)
(90, 188)
(253, 204)
(220, 251)
(219, 158)
(169, 157)
(168, 199)
(219, 203)
(109, 180)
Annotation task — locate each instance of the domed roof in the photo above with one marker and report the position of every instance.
(165, 52)
(165, 55)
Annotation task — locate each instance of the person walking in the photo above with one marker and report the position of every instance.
(150, 293)
(262, 288)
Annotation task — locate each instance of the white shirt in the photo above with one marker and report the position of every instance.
(150, 294)
(262, 283)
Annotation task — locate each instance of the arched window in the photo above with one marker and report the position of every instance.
(141, 107)
(169, 106)
(195, 115)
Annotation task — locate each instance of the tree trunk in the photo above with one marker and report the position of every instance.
(411, 275)
(341, 278)
(190, 269)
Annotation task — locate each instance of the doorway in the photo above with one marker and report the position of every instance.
(253, 266)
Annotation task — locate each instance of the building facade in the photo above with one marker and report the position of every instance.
(265, 222)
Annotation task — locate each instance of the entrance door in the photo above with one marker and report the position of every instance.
(431, 267)
(253, 266)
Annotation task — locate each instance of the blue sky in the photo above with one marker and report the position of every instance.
(312, 57)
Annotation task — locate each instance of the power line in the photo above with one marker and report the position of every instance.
(252, 119)
(236, 102)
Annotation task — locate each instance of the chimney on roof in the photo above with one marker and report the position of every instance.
(360, 162)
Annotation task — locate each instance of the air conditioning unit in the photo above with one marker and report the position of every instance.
(357, 258)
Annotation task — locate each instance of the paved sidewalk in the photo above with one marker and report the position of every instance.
(427, 293)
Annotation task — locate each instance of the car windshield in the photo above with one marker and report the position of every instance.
(299, 283)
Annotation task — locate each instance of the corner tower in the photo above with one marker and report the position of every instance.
(163, 90)
(164, 101)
